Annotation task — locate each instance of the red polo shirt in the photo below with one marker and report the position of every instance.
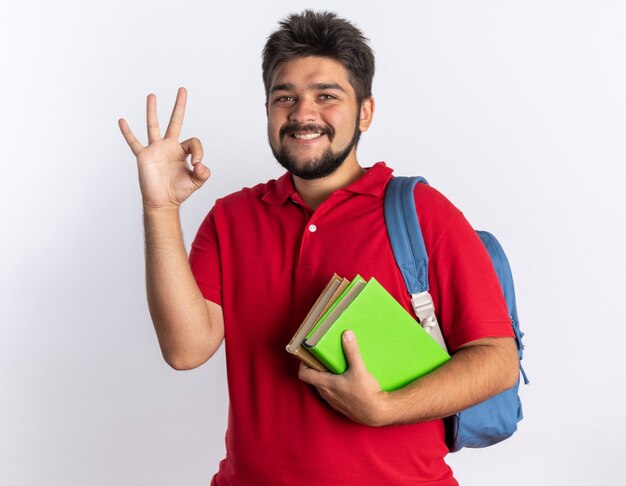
(264, 256)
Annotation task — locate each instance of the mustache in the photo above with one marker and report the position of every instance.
(293, 127)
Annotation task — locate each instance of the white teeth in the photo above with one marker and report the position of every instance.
(307, 136)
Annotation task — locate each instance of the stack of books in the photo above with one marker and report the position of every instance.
(394, 347)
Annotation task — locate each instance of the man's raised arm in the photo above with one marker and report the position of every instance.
(189, 328)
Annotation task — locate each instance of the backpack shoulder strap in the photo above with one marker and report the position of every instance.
(407, 243)
(405, 234)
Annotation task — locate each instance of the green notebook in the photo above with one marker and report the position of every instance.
(395, 348)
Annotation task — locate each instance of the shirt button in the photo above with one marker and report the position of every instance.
(312, 228)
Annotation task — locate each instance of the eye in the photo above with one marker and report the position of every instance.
(284, 99)
(327, 97)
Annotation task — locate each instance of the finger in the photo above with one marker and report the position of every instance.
(351, 350)
(132, 142)
(311, 376)
(193, 146)
(154, 134)
(176, 120)
(200, 173)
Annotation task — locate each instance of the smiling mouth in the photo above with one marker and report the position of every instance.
(307, 136)
(306, 132)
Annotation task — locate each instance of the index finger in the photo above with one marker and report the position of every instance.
(178, 113)
(311, 376)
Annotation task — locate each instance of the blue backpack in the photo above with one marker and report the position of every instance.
(495, 419)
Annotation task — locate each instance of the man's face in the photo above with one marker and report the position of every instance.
(314, 120)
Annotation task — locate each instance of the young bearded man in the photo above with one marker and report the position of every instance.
(263, 254)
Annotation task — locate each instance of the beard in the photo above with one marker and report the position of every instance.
(316, 167)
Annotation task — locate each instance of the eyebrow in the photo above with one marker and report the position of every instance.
(313, 86)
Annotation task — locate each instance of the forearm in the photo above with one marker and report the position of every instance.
(188, 330)
(474, 374)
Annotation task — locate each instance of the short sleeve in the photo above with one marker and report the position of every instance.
(463, 283)
(204, 259)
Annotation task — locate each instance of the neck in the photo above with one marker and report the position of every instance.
(315, 192)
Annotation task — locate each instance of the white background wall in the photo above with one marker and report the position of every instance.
(515, 110)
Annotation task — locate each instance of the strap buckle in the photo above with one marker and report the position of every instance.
(424, 309)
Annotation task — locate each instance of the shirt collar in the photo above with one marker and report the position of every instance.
(373, 183)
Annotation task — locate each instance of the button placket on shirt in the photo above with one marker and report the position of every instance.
(311, 231)
(310, 239)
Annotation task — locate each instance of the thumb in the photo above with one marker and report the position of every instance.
(200, 173)
(351, 350)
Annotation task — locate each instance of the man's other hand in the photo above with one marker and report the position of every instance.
(355, 393)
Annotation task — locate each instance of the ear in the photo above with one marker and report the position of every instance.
(366, 113)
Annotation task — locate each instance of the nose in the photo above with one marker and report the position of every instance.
(304, 111)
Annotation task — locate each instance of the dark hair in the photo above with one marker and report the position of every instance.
(321, 34)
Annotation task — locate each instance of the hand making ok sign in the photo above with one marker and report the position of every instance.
(165, 177)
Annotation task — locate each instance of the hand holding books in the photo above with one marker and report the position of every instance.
(394, 347)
